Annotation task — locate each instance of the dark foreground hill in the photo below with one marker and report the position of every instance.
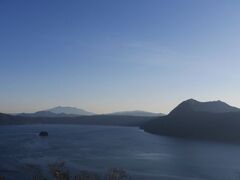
(85, 120)
(201, 123)
(192, 105)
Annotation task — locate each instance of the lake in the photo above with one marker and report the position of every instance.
(98, 148)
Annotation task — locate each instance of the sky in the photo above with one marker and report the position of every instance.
(114, 55)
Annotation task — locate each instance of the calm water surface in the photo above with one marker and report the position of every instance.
(98, 148)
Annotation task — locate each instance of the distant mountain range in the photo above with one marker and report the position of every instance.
(115, 120)
(70, 110)
(61, 111)
(137, 113)
(213, 120)
(4, 116)
(71, 115)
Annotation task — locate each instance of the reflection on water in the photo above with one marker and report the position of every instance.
(98, 148)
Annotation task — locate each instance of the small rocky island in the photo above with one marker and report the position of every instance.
(43, 133)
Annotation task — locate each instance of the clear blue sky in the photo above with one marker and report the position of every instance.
(112, 55)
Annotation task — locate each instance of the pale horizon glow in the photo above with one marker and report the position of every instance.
(107, 56)
(105, 110)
